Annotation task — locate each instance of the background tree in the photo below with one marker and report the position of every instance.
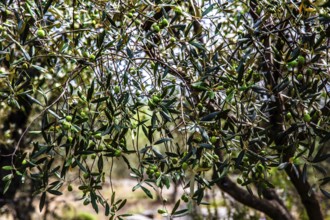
(239, 88)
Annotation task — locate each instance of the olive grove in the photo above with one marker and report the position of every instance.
(238, 89)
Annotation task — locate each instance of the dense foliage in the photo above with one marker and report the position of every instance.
(240, 88)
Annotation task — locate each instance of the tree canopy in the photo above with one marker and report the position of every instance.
(238, 89)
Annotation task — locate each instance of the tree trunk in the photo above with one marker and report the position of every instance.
(271, 208)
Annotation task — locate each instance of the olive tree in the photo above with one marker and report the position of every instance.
(236, 88)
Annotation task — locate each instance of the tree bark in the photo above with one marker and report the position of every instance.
(310, 202)
(271, 208)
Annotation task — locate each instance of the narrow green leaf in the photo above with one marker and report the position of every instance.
(94, 202)
(210, 116)
(162, 140)
(325, 193)
(113, 196)
(42, 201)
(7, 167)
(33, 99)
(283, 165)
(208, 10)
(6, 186)
(239, 158)
(304, 173)
(122, 204)
(54, 192)
(8, 177)
(90, 91)
(147, 192)
(176, 206)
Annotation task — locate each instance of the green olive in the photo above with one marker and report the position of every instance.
(161, 211)
(66, 125)
(157, 174)
(213, 139)
(164, 23)
(137, 21)
(185, 198)
(98, 136)
(70, 139)
(307, 117)
(309, 71)
(178, 10)
(25, 66)
(41, 33)
(156, 99)
(288, 115)
(184, 166)
(301, 60)
(92, 57)
(293, 63)
(156, 28)
(117, 89)
(300, 77)
(117, 153)
(68, 118)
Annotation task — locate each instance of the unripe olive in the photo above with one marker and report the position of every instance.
(68, 118)
(92, 57)
(154, 167)
(41, 33)
(174, 160)
(157, 174)
(301, 60)
(184, 198)
(178, 10)
(66, 125)
(137, 21)
(98, 136)
(156, 28)
(309, 71)
(260, 167)
(161, 211)
(117, 89)
(288, 115)
(156, 99)
(213, 139)
(117, 153)
(293, 63)
(70, 188)
(70, 139)
(164, 22)
(300, 77)
(25, 66)
(307, 117)
(184, 166)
